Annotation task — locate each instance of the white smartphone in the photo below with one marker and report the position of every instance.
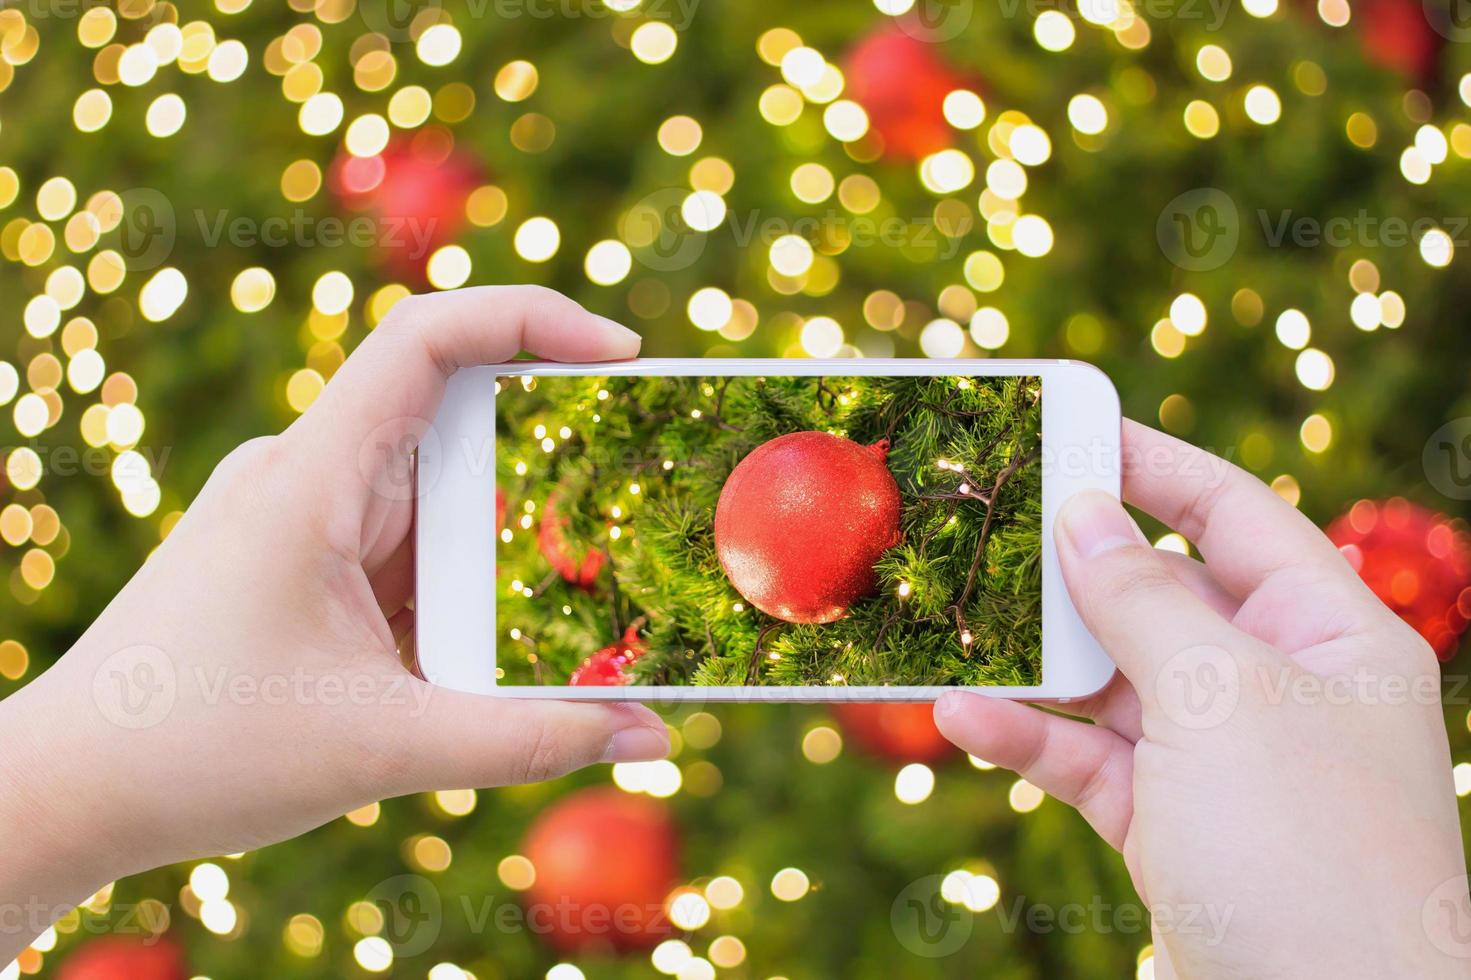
(734, 530)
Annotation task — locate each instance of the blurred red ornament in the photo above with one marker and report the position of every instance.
(578, 565)
(416, 189)
(901, 82)
(500, 510)
(116, 958)
(1416, 561)
(1398, 34)
(605, 862)
(801, 522)
(609, 666)
(900, 731)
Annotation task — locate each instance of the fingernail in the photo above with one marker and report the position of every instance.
(624, 334)
(1094, 523)
(637, 744)
(640, 714)
(950, 703)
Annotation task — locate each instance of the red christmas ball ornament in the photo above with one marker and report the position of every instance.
(801, 522)
(417, 189)
(605, 863)
(609, 666)
(901, 83)
(1398, 34)
(901, 732)
(500, 510)
(578, 565)
(1416, 561)
(116, 958)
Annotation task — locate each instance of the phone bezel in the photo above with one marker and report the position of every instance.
(455, 534)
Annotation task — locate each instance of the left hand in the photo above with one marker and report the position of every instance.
(246, 685)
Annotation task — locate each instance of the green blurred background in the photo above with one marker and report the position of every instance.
(1250, 216)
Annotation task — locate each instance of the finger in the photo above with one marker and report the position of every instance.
(400, 370)
(1246, 533)
(1130, 600)
(1197, 578)
(1116, 708)
(1085, 766)
(459, 740)
(357, 439)
(393, 580)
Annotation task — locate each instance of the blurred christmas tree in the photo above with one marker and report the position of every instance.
(1250, 216)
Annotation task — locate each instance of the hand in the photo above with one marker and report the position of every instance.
(245, 686)
(1272, 761)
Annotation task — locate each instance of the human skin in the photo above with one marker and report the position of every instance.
(246, 685)
(1272, 753)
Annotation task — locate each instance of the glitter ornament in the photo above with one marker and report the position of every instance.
(605, 863)
(417, 189)
(1416, 561)
(902, 84)
(115, 958)
(801, 522)
(609, 666)
(578, 565)
(900, 732)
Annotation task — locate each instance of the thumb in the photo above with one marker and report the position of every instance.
(1129, 598)
(454, 740)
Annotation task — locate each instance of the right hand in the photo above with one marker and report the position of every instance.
(1272, 760)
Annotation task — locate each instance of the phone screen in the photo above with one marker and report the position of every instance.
(769, 531)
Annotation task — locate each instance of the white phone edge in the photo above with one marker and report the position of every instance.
(455, 531)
